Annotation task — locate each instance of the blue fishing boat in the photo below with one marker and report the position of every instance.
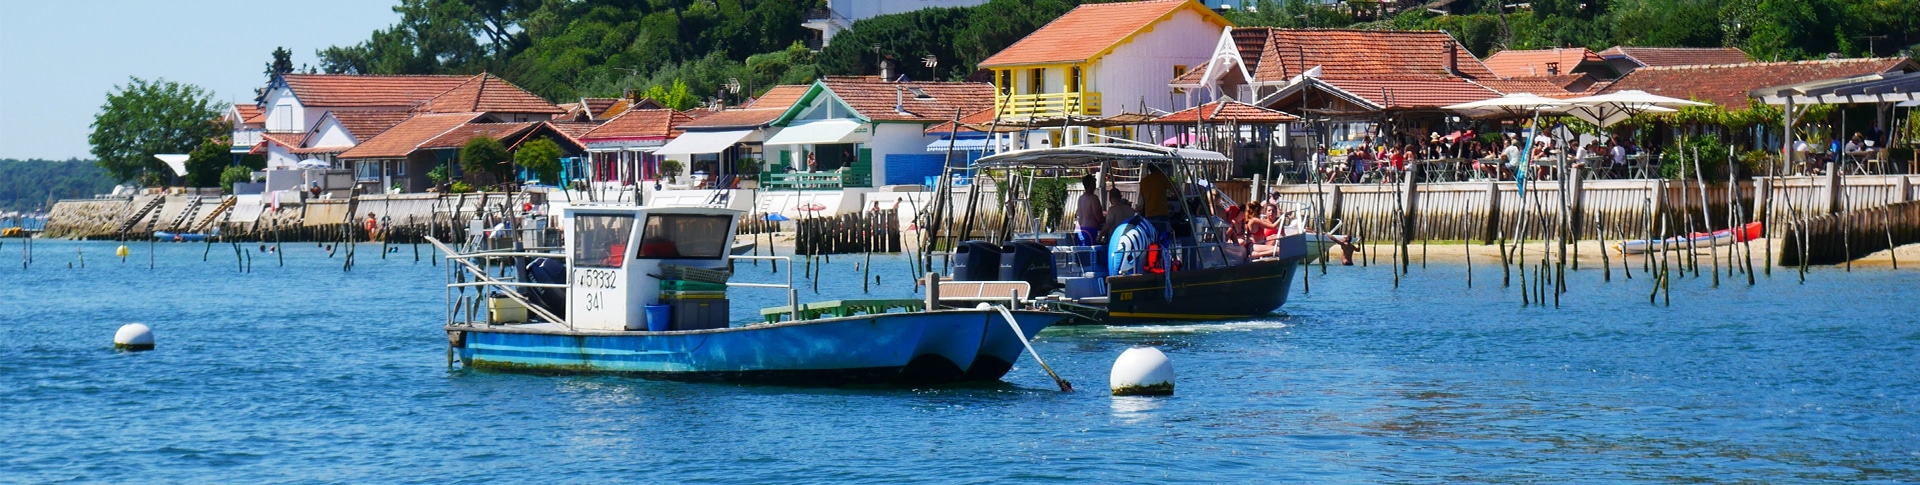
(643, 291)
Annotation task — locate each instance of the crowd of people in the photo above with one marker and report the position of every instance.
(1389, 162)
(1252, 230)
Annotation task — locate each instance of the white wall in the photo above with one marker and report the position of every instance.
(284, 113)
(331, 134)
(896, 138)
(1144, 66)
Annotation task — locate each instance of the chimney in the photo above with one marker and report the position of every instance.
(887, 68)
(1553, 69)
(1453, 58)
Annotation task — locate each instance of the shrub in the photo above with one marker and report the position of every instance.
(234, 175)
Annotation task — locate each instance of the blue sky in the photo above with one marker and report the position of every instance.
(58, 59)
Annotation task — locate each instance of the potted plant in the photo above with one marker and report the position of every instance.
(670, 169)
(748, 171)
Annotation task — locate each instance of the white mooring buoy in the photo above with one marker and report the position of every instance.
(133, 337)
(1142, 371)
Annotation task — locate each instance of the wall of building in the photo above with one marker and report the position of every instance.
(895, 139)
(1143, 67)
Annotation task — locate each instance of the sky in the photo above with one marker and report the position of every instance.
(59, 59)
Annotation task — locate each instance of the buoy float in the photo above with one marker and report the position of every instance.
(1142, 371)
(122, 252)
(133, 337)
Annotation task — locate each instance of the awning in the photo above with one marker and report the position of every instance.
(818, 132)
(176, 162)
(695, 142)
(963, 144)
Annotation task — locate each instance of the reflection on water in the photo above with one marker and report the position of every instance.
(341, 376)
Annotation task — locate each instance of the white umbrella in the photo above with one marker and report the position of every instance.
(1606, 109)
(1514, 105)
(313, 163)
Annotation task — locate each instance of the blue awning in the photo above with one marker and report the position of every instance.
(962, 145)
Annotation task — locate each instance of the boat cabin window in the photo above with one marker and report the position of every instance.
(685, 236)
(601, 239)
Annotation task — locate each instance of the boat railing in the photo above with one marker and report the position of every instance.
(793, 295)
(465, 308)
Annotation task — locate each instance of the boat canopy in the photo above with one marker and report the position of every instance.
(1087, 156)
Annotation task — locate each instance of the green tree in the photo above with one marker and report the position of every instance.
(542, 157)
(485, 155)
(27, 185)
(143, 118)
(677, 97)
(234, 174)
(207, 161)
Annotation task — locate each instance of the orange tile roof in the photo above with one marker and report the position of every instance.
(364, 125)
(404, 138)
(1413, 92)
(285, 139)
(640, 123)
(874, 99)
(250, 114)
(1529, 63)
(460, 135)
(1678, 56)
(780, 97)
(595, 106)
(487, 93)
(982, 116)
(1728, 84)
(574, 129)
(365, 91)
(734, 118)
(1343, 53)
(1540, 85)
(1227, 110)
(1090, 30)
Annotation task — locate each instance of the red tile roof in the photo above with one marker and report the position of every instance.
(366, 91)
(487, 93)
(1090, 30)
(285, 139)
(404, 138)
(982, 116)
(1342, 53)
(1540, 85)
(1678, 56)
(640, 123)
(595, 106)
(1414, 92)
(874, 99)
(364, 125)
(1531, 63)
(780, 97)
(1728, 84)
(250, 114)
(1224, 111)
(460, 135)
(574, 129)
(734, 118)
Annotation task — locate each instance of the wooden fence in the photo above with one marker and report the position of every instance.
(1838, 238)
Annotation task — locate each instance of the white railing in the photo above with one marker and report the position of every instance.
(793, 296)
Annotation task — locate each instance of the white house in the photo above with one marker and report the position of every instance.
(1104, 59)
(296, 103)
(874, 129)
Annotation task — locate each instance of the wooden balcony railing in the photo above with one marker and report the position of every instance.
(1049, 104)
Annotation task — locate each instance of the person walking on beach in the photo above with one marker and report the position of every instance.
(1089, 214)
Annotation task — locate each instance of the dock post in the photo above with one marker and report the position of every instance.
(1577, 181)
(1333, 205)
(1833, 193)
(1492, 229)
(1762, 199)
(1903, 189)
(933, 292)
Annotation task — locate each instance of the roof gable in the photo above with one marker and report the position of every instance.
(1678, 56)
(1090, 31)
(871, 99)
(487, 93)
(366, 91)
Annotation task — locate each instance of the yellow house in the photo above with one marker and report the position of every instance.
(1104, 59)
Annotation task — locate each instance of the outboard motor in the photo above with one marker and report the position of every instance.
(547, 270)
(1031, 262)
(976, 261)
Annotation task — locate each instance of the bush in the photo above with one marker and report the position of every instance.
(438, 175)
(669, 168)
(234, 175)
(459, 187)
(484, 154)
(1678, 163)
(542, 158)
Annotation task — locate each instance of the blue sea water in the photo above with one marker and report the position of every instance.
(308, 373)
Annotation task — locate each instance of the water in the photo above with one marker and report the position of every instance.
(308, 373)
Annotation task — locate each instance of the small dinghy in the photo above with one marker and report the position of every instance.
(1722, 237)
(179, 236)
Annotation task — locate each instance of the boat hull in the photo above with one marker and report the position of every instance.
(1240, 291)
(892, 348)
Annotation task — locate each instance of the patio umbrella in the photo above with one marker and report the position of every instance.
(776, 217)
(1610, 108)
(313, 163)
(1516, 105)
(810, 207)
(1179, 140)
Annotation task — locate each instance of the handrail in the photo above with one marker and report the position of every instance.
(485, 280)
(793, 296)
(506, 254)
